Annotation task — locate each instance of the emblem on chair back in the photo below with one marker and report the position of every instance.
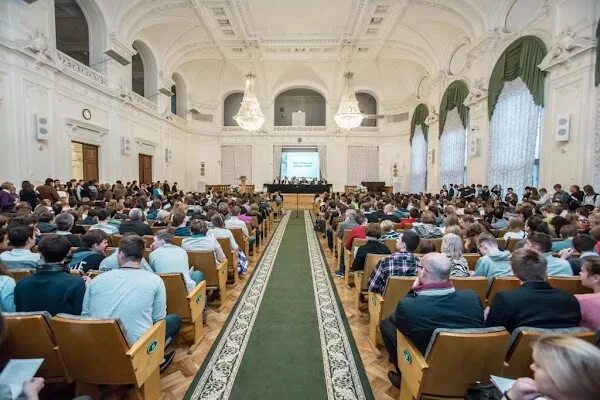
(152, 346)
(198, 299)
(407, 356)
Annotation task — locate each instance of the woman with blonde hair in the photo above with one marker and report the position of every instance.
(515, 229)
(452, 247)
(564, 368)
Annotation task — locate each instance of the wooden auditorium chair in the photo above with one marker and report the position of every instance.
(381, 307)
(479, 284)
(519, 355)
(188, 306)
(501, 283)
(215, 273)
(472, 259)
(361, 278)
(96, 353)
(453, 361)
(148, 239)
(391, 244)
(569, 284)
(114, 240)
(20, 273)
(241, 240)
(232, 274)
(339, 243)
(177, 240)
(349, 254)
(30, 335)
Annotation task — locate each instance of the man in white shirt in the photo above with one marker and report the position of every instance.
(22, 238)
(234, 221)
(168, 258)
(103, 225)
(136, 297)
(220, 232)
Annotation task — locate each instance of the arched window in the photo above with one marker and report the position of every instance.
(231, 106)
(515, 107)
(597, 82)
(72, 33)
(453, 134)
(143, 71)
(367, 105)
(179, 99)
(303, 107)
(137, 73)
(418, 150)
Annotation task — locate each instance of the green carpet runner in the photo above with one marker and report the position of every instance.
(287, 336)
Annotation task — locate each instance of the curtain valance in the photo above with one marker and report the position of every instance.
(597, 80)
(418, 118)
(454, 96)
(520, 59)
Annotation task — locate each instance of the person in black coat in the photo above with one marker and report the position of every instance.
(28, 194)
(432, 303)
(135, 224)
(373, 246)
(52, 288)
(536, 303)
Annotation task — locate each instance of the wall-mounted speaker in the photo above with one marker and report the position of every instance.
(42, 127)
(562, 127)
(125, 145)
(431, 156)
(474, 146)
(168, 155)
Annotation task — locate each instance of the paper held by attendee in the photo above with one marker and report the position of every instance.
(503, 384)
(18, 372)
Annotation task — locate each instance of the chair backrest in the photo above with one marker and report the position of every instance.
(479, 284)
(370, 263)
(501, 283)
(226, 246)
(86, 227)
(357, 242)
(501, 243)
(396, 289)
(472, 259)
(205, 261)
(238, 235)
(345, 235)
(92, 273)
(569, 284)
(156, 229)
(148, 239)
(83, 340)
(511, 244)
(519, 355)
(391, 244)
(479, 352)
(20, 273)
(147, 254)
(406, 225)
(177, 302)
(437, 242)
(115, 240)
(177, 240)
(29, 335)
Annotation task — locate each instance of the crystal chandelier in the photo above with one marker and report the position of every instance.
(348, 115)
(250, 117)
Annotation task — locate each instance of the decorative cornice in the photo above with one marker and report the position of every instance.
(84, 131)
(477, 93)
(565, 49)
(432, 117)
(145, 146)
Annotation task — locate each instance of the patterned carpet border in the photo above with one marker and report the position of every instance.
(219, 372)
(341, 371)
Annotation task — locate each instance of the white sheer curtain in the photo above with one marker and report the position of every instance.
(363, 164)
(323, 161)
(235, 162)
(418, 161)
(277, 162)
(514, 131)
(452, 150)
(597, 148)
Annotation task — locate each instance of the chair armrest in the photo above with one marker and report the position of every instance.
(147, 353)
(358, 275)
(221, 265)
(412, 365)
(197, 300)
(375, 304)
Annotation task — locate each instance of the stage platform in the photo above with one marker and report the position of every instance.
(305, 201)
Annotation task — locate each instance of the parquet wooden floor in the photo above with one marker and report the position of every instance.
(178, 377)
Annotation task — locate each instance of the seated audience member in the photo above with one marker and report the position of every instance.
(499, 221)
(564, 368)
(515, 229)
(373, 246)
(22, 238)
(162, 218)
(104, 225)
(45, 222)
(7, 291)
(136, 297)
(52, 288)
(348, 223)
(220, 232)
(64, 222)
(167, 258)
(543, 243)
(426, 247)
(567, 233)
(91, 254)
(234, 221)
(8, 198)
(3, 240)
(493, 262)
(389, 215)
(427, 229)
(358, 232)
(199, 241)
(112, 261)
(535, 303)
(470, 235)
(431, 303)
(413, 216)
(402, 263)
(154, 208)
(452, 247)
(181, 229)
(387, 231)
(90, 218)
(585, 245)
(589, 303)
(76, 228)
(135, 224)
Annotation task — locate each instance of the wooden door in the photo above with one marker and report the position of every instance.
(90, 162)
(145, 169)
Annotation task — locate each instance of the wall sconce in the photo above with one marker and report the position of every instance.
(395, 170)
(202, 169)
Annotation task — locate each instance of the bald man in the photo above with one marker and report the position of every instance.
(431, 303)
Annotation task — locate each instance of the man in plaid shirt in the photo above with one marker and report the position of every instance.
(401, 263)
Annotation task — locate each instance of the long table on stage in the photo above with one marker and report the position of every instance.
(293, 188)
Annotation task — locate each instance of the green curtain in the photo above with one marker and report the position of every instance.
(520, 59)
(454, 96)
(418, 118)
(598, 55)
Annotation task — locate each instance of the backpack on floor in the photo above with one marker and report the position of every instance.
(483, 391)
(242, 262)
(319, 226)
